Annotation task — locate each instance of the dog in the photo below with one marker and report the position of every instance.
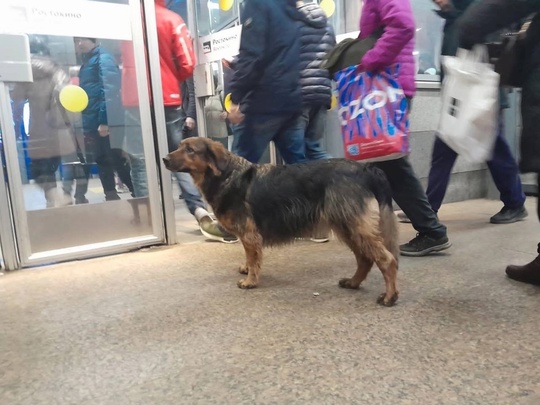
(266, 205)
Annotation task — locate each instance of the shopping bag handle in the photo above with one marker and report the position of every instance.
(478, 54)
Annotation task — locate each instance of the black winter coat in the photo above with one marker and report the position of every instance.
(267, 70)
(317, 37)
(488, 16)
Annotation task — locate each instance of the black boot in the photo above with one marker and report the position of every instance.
(111, 196)
(530, 273)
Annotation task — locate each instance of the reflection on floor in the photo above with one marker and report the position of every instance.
(186, 225)
(34, 199)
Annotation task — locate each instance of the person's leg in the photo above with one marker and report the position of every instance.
(175, 118)
(410, 196)
(252, 137)
(191, 194)
(122, 167)
(290, 141)
(442, 160)
(105, 164)
(505, 173)
(529, 273)
(135, 147)
(82, 172)
(314, 132)
(82, 176)
(44, 174)
(68, 178)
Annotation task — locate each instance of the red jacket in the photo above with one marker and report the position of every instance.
(176, 58)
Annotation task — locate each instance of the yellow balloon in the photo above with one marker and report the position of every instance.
(329, 7)
(227, 103)
(333, 104)
(226, 5)
(73, 98)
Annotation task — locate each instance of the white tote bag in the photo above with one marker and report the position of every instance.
(470, 104)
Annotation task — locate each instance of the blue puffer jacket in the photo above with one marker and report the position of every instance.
(317, 37)
(100, 77)
(267, 71)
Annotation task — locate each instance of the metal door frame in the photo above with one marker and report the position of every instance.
(15, 239)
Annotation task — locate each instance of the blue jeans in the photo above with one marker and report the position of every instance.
(135, 148)
(253, 136)
(502, 166)
(313, 120)
(175, 119)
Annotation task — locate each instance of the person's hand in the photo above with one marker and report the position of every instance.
(190, 123)
(236, 116)
(223, 116)
(103, 130)
(444, 5)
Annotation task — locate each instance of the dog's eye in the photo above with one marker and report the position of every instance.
(189, 149)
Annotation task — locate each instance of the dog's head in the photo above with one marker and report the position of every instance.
(198, 156)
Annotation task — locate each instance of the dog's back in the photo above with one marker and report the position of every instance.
(290, 201)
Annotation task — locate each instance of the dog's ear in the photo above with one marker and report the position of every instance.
(218, 157)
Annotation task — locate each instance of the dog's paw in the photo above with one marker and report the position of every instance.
(387, 303)
(346, 283)
(246, 284)
(243, 269)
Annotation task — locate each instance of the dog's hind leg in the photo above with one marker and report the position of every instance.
(365, 239)
(252, 243)
(364, 266)
(389, 271)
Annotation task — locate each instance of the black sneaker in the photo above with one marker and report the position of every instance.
(509, 215)
(423, 245)
(111, 196)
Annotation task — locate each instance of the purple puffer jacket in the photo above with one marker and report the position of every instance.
(397, 42)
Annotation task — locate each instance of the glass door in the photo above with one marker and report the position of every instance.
(79, 144)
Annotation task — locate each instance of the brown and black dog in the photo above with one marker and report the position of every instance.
(269, 205)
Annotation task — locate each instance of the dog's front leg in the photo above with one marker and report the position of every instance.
(253, 246)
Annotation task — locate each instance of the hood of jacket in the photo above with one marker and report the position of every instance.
(456, 8)
(43, 68)
(85, 57)
(290, 8)
(313, 15)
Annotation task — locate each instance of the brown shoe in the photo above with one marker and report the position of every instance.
(530, 273)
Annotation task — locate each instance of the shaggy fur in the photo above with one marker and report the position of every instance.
(270, 205)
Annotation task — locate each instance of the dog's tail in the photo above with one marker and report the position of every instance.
(388, 225)
(379, 186)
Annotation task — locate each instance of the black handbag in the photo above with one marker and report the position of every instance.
(511, 56)
(349, 52)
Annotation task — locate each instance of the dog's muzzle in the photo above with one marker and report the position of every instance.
(167, 162)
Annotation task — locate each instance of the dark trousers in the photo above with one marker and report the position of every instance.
(502, 166)
(43, 170)
(409, 194)
(98, 149)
